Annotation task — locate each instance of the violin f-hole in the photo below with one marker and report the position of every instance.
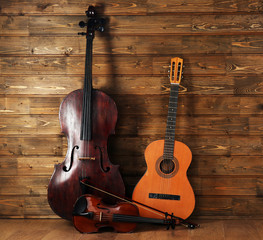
(101, 160)
(71, 159)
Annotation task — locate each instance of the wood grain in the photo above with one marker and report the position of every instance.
(202, 165)
(36, 124)
(67, 25)
(236, 65)
(134, 84)
(147, 105)
(132, 45)
(125, 7)
(220, 101)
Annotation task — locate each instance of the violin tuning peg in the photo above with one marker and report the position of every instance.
(82, 33)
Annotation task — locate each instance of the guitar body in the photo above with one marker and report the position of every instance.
(174, 184)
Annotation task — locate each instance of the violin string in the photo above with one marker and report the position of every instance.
(123, 199)
(102, 216)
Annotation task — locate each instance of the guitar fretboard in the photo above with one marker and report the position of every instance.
(171, 121)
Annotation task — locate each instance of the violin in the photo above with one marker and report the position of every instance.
(91, 215)
(87, 117)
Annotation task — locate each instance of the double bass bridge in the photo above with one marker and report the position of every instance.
(87, 158)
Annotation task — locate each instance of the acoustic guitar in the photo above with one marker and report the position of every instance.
(165, 185)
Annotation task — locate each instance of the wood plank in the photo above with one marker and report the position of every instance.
(125, 84)
(75, 65)
(212, 207)
(201, 165)
(134, 146)
(228, 206)
(12, 206)
(202, 186)
(146, 105)
(152, 24)
(233, 230)
(226, 165)
(201, 125)
(49, 229)
(15, 186)
(135, 166)
(72, 7)
(125, 7)
(139, 125)
(204, 6)
(134, 45)
(221, 145)
(119, 45)
(14, 25)
(31, 146)
(171, 24)
(236, 65)
(29, 166)
(29, 124)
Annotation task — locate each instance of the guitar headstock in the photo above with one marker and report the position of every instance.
(176, 70)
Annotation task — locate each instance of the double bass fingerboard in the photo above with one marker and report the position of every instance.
(86, 128)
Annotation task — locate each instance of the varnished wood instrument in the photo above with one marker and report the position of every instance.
(87, 118)
(165, 185)
(91, 214)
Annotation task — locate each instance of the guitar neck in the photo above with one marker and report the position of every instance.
(171, 121)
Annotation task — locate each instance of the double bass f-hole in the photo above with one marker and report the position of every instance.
(71, 159)
(101, 160)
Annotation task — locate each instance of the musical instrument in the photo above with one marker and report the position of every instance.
(165, 186)
(87, 118)
(91, 214)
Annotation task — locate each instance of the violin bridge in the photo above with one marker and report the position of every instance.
(87, 158)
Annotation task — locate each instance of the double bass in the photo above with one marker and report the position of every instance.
(87, 117)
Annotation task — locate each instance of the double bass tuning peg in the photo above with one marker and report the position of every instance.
(82, 24)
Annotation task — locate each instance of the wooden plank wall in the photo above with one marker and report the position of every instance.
(220, 102)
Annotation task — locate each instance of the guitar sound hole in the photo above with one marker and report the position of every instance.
(167, 166)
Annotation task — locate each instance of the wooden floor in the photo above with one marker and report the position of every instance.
(56, 229)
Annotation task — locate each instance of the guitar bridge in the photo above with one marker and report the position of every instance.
(164, 196)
